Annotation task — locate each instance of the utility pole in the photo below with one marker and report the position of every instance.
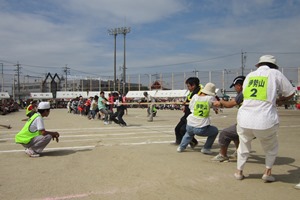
(67, 71)
(2, 83)
(13, 89)
(196, 73)
(114, 32)
(243, 54)
(18, 73)
(124, 30)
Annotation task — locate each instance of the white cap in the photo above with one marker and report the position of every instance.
(44, 105)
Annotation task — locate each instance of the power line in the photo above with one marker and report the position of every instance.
(191, 62)
(272, 52)
(5, 61)
(10, 63)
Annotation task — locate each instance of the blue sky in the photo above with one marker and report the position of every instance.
(166, 35)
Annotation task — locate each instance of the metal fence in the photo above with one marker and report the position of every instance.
(221, 78)
(176, 80)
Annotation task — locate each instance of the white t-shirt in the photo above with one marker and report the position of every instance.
(149, 98)
(200, 108)
(37, 124)
(260, 88)
(94, 105)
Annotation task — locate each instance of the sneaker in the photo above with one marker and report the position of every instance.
(268, 178)
(31, 153)
(220, 158)
(206, 151)
(179, 149)
(106, 123)
(239, 176)
(297, 186)
(193, 145)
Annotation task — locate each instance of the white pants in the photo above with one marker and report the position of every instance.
(268, 140)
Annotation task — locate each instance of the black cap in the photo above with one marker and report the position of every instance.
(239, 79)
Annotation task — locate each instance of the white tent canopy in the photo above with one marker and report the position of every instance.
(44, 95)
(4, 95)
(171, 93)
(70, 95)
(139, 94)
(158, 93)
(93, 93)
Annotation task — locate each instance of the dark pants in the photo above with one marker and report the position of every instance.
(119, 114)
(227, 135)
(180, 130)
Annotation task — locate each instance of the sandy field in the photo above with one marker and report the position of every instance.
(97, 161)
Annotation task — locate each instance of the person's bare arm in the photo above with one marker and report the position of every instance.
(55, 135)
(281, 100)
(225, 104)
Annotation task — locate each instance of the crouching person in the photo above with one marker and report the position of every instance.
(198, 122)
(33, 135)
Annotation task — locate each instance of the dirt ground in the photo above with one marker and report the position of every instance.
(97, 161)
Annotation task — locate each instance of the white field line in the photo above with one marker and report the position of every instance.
(95, 139)
(54, 149)
(92, 147)
(70, 131)
(107, 127)
(138, 143)
(145, 143)
(98, 134)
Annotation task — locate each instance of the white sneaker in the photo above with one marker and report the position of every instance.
(106, 123)
(179, 149)
(220, 158)
(31, 153)
(297, 186)
(268, 178)
(206, 151)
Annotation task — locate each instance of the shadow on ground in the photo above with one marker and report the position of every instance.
(63, 152)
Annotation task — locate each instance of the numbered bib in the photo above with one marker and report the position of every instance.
(201, 109)
(256, 88)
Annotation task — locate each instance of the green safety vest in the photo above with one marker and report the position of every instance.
(256, 88)
(25, 135)
(201, 109)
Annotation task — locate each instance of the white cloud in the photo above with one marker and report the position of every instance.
(74, 32)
